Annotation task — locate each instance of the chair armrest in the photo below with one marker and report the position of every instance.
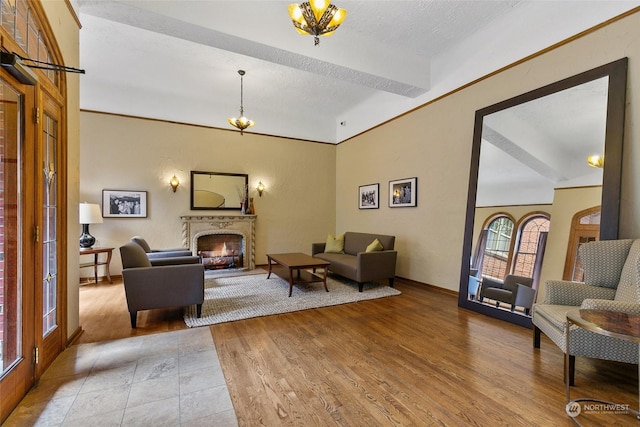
(167, 254)
(563, 292)
(175, 260)
(474, 284)
(375, 265)
(603, 304)
(159, 251)
(317, 248)
(524, 296)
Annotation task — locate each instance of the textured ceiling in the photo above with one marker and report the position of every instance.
(178, 60)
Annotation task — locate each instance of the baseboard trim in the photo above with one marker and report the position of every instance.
(75, 336)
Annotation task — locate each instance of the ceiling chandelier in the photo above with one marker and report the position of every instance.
(241, 122)
(595, 161)
(316, 18)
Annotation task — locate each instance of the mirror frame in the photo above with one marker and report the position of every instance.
(612, 173)
(241, 181)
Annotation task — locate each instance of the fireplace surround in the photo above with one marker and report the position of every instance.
(195, 228)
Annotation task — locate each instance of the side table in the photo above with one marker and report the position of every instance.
(96, 260)
(604, 322)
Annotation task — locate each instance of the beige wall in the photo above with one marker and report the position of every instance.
(434, 144)
(312, 188)
(296, 209)
(66, 31)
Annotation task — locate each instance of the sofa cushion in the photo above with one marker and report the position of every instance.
(556, 315)
(355, 243)
(342, 264)
(335, 244)
(374, 246)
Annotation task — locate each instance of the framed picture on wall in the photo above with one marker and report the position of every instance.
(369, 196)
(403, 193)
(124, 204)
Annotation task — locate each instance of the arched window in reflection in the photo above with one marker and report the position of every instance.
(496, 258)
(529, 240)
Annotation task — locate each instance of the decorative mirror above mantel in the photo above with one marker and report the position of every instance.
(501, 131)
(218, 190)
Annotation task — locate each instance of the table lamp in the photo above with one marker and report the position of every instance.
(89, 213)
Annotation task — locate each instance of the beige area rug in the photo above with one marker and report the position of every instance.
(242, 297)
(216, 274)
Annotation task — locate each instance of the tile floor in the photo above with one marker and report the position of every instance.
(167, 379)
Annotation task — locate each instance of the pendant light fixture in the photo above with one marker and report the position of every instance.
(316, 18)
(241, 122)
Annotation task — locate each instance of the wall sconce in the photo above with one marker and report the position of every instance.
(260, 188)
(174, 182)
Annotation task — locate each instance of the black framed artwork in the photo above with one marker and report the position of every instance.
(369, 196)
(403, 193)
(124, 204)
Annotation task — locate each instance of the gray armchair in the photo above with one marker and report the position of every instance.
(514, 290)
(148, 287)
(611, 282)
(166, 256)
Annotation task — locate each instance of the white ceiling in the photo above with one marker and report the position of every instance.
(178, 60)
(531, 149)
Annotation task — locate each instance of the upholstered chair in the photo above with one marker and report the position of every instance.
(148, 287)
(611, 282)
(474, 283)
(514, 290)
(166, 256)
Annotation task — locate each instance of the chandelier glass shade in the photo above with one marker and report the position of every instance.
(316, 18)
(595, 161)
(241, 122)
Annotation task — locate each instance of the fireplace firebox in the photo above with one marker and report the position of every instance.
(221, 251)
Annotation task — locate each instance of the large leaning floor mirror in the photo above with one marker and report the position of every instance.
(545, 177)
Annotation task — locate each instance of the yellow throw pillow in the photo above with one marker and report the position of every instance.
(374, 246)
(335, 244)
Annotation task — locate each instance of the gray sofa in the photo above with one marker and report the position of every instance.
(358, 265)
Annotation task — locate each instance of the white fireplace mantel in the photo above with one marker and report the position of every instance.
(195, 226)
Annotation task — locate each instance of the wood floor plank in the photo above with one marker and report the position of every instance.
(413, 359)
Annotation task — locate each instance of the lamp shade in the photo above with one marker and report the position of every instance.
(90, 214)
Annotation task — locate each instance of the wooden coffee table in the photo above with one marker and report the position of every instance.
(286, 264)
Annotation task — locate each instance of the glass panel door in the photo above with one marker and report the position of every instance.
(50, 337)
(49, 226)
(10, 289)
(17, 337)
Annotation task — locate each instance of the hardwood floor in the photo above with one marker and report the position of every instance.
(413, 359)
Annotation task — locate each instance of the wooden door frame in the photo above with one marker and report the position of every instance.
(577, 230)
